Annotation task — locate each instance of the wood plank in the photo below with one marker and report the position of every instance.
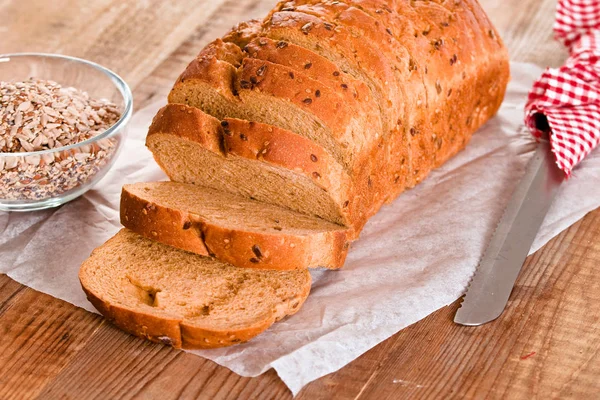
(112, 365)
(131, 38)
(191, 377)
(39, 336)
(9, 289)
(545, 345)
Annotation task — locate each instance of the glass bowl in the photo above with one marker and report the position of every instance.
(48, 178)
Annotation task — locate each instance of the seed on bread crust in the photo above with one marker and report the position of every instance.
(257, 252)
(307, 27)
(261, 70)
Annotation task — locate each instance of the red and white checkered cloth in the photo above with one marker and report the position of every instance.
(565, 102)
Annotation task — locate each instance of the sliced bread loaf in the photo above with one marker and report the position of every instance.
(184, 300)
(410, 55)
(233, 229)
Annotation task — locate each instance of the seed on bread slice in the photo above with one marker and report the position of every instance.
(184, 300)
(233, 229)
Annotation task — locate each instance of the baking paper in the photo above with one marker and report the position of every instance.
(414, 257)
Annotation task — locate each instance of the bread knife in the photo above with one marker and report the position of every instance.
(490, 287)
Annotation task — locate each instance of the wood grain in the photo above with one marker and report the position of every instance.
(125, 36)
(39, 336)
(546, 345)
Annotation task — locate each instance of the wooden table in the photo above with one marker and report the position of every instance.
(546, 345)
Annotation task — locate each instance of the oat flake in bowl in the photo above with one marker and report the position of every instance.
(37, 115)
(41, 115)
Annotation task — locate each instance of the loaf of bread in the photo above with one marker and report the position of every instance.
(388, 89)
(283, 138)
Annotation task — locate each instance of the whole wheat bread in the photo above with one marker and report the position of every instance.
(436, 71)
(233, 229)
(328, 108)
(184, 300)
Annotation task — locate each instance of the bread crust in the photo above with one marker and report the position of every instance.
(190, 124)
(192, 232)
(213, 66)
(178, 332)
(181, 335)
(350, 130)
(277, 146)
(354, 92)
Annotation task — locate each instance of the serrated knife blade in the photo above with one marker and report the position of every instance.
(490, 287)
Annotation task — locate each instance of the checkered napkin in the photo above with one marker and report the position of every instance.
(565, 102)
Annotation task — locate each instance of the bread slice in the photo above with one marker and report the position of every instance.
(233, 229)
(312, 65)
(184, 300)
(348, 49)
(257, 161)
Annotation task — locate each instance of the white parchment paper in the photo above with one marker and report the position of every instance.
(413, 258)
